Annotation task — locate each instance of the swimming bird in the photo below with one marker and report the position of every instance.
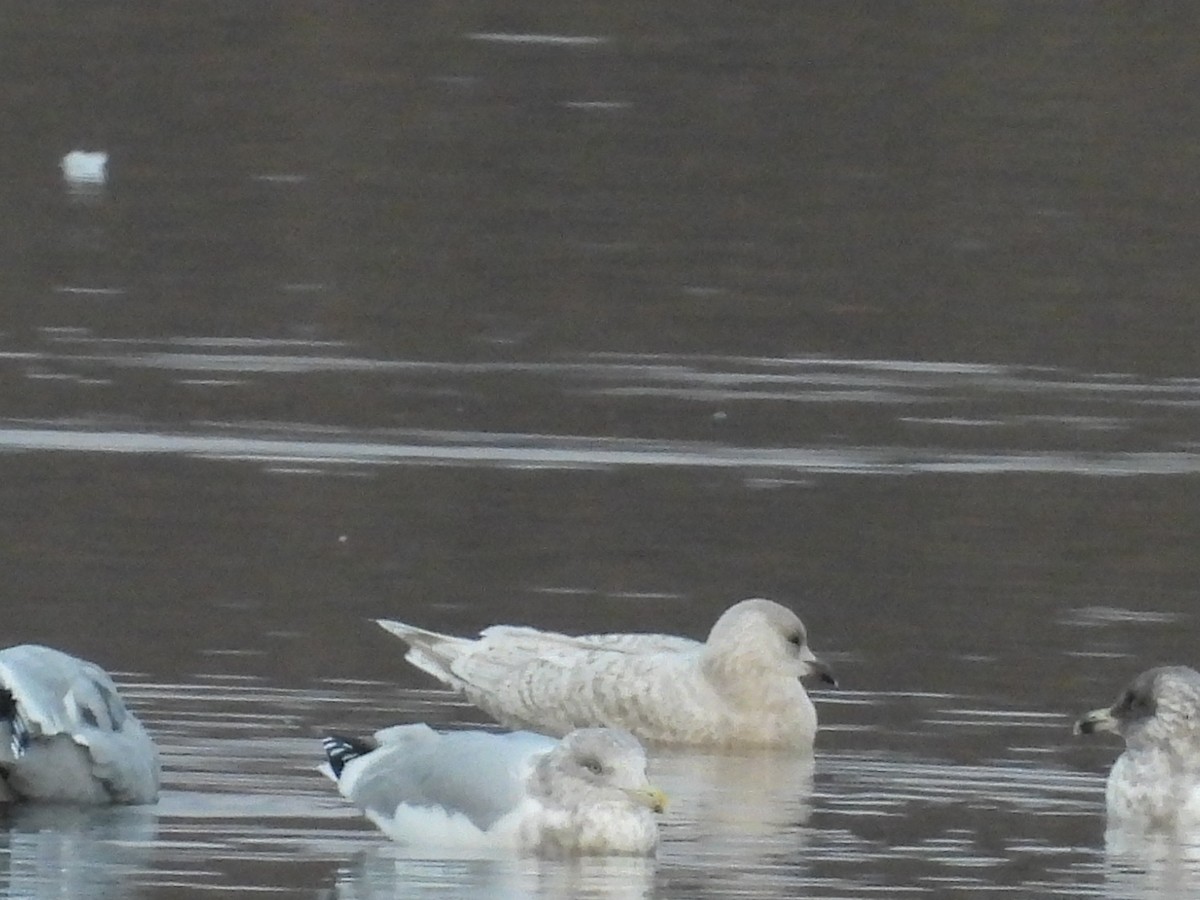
(584, 795)
(66, 735)
(1155, 784)
(740, 687)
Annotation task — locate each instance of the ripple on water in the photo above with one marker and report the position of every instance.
(1038, 420)
(243, 808)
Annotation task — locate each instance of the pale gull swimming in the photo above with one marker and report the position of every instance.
(1155, 784)
(584, 795)
(738, 688)
(65, 734)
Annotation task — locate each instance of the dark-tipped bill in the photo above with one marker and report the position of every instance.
(819, 670)
(1096, 720)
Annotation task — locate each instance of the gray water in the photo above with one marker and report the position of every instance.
(601, 318)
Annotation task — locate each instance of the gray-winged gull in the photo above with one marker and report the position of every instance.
(584, 795)
(66, 735)
(1155, 783)
(740, 687)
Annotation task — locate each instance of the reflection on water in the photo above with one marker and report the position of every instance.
(763, 415)
(245, 809)
(390, 872)
(749, 808)
(1142, 866)
(68, 852)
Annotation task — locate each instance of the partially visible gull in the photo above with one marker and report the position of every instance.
(740, 688)
(1155, 784)
(66, 735)
(586, 795)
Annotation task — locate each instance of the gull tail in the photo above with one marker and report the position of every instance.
(431, 652)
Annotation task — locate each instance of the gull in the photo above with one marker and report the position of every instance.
(583, 795)
(739, 688)
(66, 735)
(1154, 785)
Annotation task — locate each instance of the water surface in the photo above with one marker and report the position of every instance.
(602, 319)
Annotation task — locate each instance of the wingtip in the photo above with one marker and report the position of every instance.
(391, 625)
(340, 750)
(396, 628)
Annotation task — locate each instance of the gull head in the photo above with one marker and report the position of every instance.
(762, 635)
(605, 763)
(1159, 705)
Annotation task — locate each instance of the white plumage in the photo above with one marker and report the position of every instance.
(85, 167)
(1154, 786)
(66, 735)
(518, 792)
(739, 688)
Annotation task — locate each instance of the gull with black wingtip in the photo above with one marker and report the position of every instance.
(584, 795)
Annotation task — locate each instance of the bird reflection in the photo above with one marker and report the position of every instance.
(393, 871)
(70, 851)
(737, 807)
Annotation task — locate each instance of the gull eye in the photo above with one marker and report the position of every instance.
(796, 639)
(593, 766)
(1135, 705)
